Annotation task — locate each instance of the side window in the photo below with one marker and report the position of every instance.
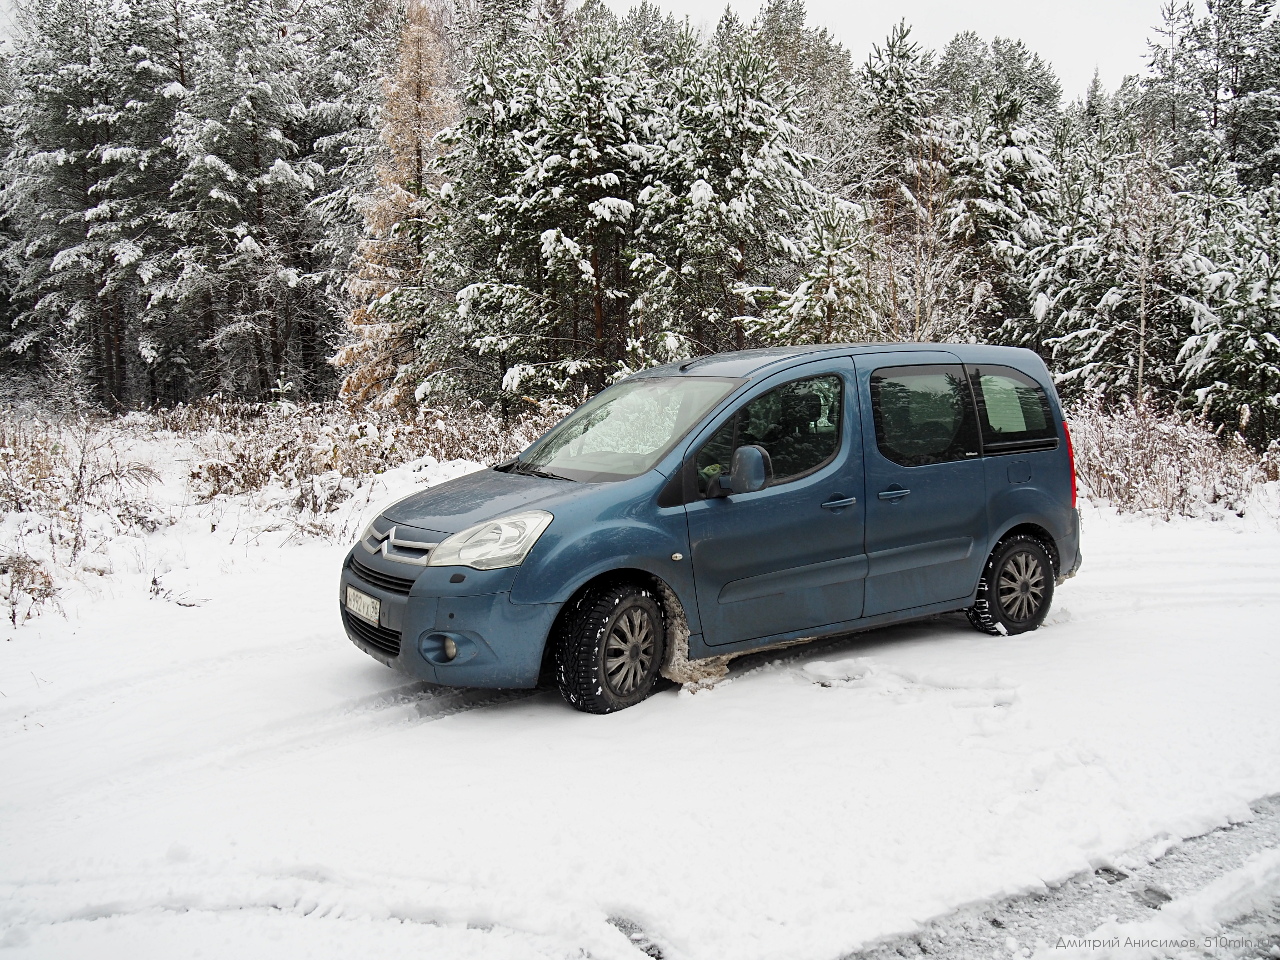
(923, 414)
(798, 424)
(1013, 410)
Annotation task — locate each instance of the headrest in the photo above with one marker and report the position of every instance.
(801, 408)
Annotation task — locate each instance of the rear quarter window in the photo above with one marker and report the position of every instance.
(1013, 411)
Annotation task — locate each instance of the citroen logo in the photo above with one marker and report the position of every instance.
(397, 549)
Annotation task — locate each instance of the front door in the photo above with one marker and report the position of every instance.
(788, 557)
(925, 488)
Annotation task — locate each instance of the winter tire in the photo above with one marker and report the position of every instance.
(610, 647)
(1016, 588)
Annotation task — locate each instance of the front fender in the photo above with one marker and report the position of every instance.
(556, 573)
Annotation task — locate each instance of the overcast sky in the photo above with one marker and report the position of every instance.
(1076, 36)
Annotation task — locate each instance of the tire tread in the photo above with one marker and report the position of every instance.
(981, 616)
(578, 648)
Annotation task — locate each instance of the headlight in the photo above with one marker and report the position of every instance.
(504, 542)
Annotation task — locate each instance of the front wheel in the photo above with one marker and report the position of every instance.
(1016, 588)
(610, 647)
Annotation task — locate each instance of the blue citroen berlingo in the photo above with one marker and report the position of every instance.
(702, 510)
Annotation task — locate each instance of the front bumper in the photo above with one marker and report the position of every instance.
(499, 643)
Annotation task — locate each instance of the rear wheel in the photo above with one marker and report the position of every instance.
(1016, 588)
(610, 648)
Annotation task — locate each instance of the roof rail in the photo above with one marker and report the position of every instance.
(689, 363)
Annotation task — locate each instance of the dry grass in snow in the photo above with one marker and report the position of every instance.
(76, 489)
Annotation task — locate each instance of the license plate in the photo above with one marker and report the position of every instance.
(362, 605)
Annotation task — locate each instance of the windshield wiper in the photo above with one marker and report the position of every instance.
(519, 467)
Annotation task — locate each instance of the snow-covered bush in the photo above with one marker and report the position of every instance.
(1142, 460)
(67, 485)
(25, 586)
(1271, 461)
(67, 480)
(62, 470)
(312, 448)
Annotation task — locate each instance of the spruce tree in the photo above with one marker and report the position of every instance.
(1118, 288)
(1232, 361)
(61, 118)
(730, 196)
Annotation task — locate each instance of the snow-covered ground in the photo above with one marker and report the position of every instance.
(1190, 927)
(207, 767)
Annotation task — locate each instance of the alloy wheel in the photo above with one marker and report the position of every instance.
(629, 651)
(1021, 586)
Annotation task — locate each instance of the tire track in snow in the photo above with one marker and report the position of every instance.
(1096, 605)
(93, 700)
(311, 892)
(1131, 887)
(359, 718)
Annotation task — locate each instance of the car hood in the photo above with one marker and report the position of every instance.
(476, 497)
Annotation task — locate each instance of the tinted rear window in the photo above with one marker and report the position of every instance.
(923, 414)
(1013, 411)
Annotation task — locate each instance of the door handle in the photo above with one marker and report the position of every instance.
(839, 504)
(893, 494)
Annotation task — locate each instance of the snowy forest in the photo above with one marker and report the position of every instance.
(400, 202)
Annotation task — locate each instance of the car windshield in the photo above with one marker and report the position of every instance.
(625, 430)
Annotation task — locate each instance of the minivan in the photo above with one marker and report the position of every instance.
(728, 504)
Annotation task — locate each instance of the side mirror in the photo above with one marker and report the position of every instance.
(749, 471)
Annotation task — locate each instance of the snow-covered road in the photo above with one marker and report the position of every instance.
(234, 778)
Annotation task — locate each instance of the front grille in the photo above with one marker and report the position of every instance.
(380, 638)
(384, 580)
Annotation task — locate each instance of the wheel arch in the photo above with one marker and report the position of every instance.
(676, 622)
(1037, 531)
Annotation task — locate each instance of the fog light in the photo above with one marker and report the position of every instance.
(442, 648)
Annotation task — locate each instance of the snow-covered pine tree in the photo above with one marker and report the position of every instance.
(550, 162)
(970, 71)
(1232, 362)
(1237, 72)
(160, 148)
(151, 64)
(503, 26)
(61, 119)
(828, 102)
(248, 260)
(721, 213)
(1172, 97)
(1002, 193)
(352, 47)
(667, 44)
(834, 300)
(10, 238)
(1213, 86)
(1117, 288)
(932, 285)
(1020, 70)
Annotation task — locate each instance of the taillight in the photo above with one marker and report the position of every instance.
(1071, 462)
